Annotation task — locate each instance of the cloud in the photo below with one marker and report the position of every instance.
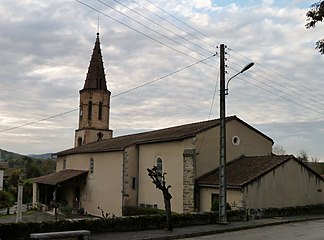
(46, 48)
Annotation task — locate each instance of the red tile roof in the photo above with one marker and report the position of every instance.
(161, 135)
(244, 170)
(59, 177)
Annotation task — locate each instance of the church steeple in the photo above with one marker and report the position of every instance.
(94, 102)
(96, 78)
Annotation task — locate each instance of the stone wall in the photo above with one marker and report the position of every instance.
(189, 158)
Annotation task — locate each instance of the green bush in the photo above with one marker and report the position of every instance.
(6, 199)
(215, 206)
(136, 211)
(19, 231)
(66, 210)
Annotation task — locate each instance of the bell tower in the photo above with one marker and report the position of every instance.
(94, 103)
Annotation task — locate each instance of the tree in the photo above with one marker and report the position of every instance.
(303, 156)
(315, 15)
(315, 159)
(278, 149)
(6, 200)
(159, 182)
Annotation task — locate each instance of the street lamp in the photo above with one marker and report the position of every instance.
(247, 67)
(222, 160)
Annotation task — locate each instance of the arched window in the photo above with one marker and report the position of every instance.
(91, 167)
(89, 110)
(159, 168)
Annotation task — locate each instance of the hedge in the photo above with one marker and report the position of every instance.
(22, 230)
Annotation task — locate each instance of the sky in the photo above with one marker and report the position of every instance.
(162, 51)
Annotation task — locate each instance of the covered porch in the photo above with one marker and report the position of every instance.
(60, 188)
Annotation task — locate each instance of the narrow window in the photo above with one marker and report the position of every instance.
(79, 141)
(64, 163)
(133, 183)
(91, 168)
(100, 111)
(81, 111)
(159, 166)
(89, 110)
(214, 202)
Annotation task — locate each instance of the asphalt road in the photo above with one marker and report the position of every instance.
(310, 230)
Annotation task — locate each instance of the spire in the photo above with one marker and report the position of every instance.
(96, 78)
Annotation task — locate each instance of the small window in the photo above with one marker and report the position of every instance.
(91, 168)
(214, 198)
(100, 111)
(89, 110)
(81, 111)
(133, 183)
(99, 136)
(64, 163)
(236, 141)
(79, 141)
(159, 168)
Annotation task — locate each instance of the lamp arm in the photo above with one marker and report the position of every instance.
(231, 79)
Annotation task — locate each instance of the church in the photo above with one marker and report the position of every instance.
(110, 173)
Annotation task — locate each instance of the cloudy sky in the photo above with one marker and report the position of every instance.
(46, 48)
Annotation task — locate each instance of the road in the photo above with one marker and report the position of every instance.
(310, 230)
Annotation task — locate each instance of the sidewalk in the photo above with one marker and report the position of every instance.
(194, 231)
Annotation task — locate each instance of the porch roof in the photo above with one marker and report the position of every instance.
(244, 170)
(59, 177)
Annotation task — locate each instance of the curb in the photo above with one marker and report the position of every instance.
(233, 229)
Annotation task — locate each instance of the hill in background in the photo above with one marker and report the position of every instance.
(5, 155)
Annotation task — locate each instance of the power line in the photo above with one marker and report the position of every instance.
(310, 92)
(290, 92)
(186, 24)
(144, 34)
(294, 91)
(165, 76)
(164, 19)
(114, 96)
(37, 121)
(160, 25)
(288, 99)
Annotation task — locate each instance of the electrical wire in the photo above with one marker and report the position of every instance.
(303, 103)
(299, 89)
(157, 32)
(114, 96)
(144, 34)
(163, 27)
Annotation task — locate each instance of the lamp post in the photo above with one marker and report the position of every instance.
(222, 158)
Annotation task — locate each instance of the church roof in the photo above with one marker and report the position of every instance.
(59, 177)
(161, 135)
(96, 78)
(244, 170)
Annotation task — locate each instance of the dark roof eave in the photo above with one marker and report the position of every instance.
(64, 153)
(228, 186)
(164, 139)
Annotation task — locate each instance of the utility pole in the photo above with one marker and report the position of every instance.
(19, 199)
(222, 160)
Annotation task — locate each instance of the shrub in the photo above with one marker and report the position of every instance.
(136, 211)
(215, 206)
